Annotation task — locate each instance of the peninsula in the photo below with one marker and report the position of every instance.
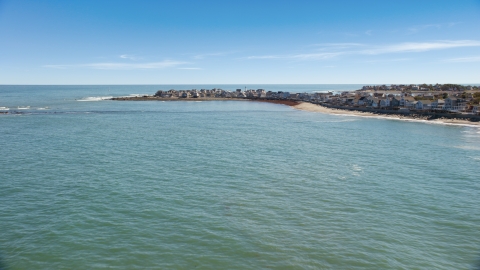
(451, 103)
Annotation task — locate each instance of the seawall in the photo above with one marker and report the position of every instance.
(428, 114)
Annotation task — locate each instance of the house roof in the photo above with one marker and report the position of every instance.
(426, 102)
(409, 98)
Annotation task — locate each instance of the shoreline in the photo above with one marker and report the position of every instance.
(311, 107)
(305, 106)
(152, 98)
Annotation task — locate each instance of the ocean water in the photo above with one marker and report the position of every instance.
(87, 183)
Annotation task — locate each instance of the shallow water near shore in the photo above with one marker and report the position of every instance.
(228, 185)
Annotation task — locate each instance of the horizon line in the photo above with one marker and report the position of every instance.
(235, 84)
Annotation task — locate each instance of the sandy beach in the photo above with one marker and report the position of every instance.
(305, 106)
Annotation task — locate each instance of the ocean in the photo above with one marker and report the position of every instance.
(89, 183)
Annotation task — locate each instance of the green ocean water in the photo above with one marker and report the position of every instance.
(229, 185)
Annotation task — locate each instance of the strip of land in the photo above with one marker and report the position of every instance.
(305, 106)
(450, 104)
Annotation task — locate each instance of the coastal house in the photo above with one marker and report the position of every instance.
(260, 91)
(438, 104)
(456, 104)
(384, 102)
(451, 102)
(173, 93)
(321, 96)
(362, 101)
(423, 105)
(294, 96)
(402, 100)
(406, 101)
(394, 102)
(419, 105)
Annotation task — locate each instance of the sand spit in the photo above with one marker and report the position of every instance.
(284, 102)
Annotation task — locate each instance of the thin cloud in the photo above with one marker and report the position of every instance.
(389, 60)
(267, 57)
(338, 49)
(351, 34)
(121, 66)
(337, 45)
(329, 47)
(453, 24)
(205, 55)
(357, 34)
(309, 56)
(191, 68)
(129, 56)
(316, 56)
(417, 28)
(464, 59)
(57, 66)
(422, 46)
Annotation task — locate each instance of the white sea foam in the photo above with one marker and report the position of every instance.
(468, 147)
(314, 108)
(434, 122)
(23, 107)
(338, 121)
(4, 108)
(95, 98)
(356, 170)
(45, 108)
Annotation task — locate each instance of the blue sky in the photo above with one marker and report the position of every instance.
(205, 42)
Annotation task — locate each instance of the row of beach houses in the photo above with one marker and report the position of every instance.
(365, 99)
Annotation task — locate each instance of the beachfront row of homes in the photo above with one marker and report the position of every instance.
(401, 101)
(421, 87)
(384, 101)
(375, 100)
(239, 93)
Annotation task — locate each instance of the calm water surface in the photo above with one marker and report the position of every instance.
(229, 185)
